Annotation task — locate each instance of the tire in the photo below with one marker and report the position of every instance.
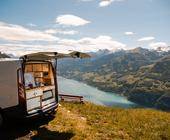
(1, 119)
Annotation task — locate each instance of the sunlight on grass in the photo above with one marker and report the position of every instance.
(89, 121)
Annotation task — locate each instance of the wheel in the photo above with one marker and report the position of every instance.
(1, 119)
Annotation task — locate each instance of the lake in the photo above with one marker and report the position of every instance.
(92, 94)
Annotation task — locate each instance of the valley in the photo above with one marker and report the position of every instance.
(142, 75)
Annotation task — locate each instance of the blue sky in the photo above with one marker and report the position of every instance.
(85, 25)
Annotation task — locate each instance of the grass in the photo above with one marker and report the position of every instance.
(89, 121)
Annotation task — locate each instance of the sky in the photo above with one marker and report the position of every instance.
(83, 25)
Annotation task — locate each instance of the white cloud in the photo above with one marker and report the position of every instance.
(105, 3)
(157, 44)
(71, 20)
(129, 33)
(93, 44)
(21, 49)
(11, 32)
(149, 38)
(86, 44)
(64, 32)
(160, 46)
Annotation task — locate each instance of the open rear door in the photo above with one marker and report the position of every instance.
(40, 80)
(53, 55)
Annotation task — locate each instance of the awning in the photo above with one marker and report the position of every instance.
(53, 55)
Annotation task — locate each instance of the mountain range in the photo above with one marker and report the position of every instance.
(3, 55)
(142, 75)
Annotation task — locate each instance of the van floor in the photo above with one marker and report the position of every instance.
(88, 121)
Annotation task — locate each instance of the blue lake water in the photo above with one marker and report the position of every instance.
(92, 94)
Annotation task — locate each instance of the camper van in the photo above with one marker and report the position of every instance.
(28, 86)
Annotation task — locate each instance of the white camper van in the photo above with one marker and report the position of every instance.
(28, 86)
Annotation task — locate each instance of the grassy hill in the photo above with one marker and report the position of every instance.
(89, 121)
(92, 122)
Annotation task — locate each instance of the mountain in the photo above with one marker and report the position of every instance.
(119, 62)
(100, 53)
(163, 49)
(3, 55)
(162, 67)
(140, 74)
(153, 85)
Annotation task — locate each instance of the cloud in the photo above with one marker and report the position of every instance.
(21, 49)
(64, 32)
(11, 32)
(86, 44)
(129, 33)
(105, 3)
(149, 38)
(160, 46)
(71, 20)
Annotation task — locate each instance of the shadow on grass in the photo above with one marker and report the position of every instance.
(22, 129)
(44, 133)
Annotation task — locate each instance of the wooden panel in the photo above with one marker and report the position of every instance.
(28, 68)
(45, 67)
(37, 67)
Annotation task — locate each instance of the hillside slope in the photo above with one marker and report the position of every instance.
(97, 122)
(140, 74)
(91, 122)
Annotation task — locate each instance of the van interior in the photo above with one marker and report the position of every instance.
(38, 75)
(39, 85)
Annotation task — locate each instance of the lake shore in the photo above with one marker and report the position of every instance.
(138, 97)
(93, 94)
